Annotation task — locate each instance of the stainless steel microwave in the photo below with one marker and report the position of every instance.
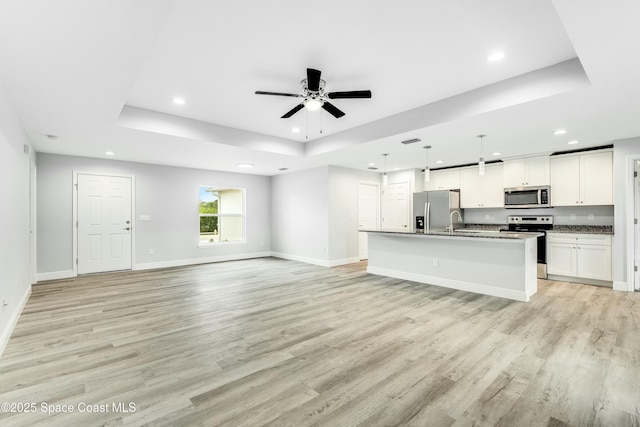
(527, 197)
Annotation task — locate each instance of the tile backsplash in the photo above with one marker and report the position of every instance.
(579, 215)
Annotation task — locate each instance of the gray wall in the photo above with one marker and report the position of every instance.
(168, 194)
(15, 274)
(299, 212)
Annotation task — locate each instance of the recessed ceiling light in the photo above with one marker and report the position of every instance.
(395, 169)
(573, 142)
(496, 56)
(283, 169)
(496, 153)
(439, 162)
(245, 165)
(295, 130)
(371, 164)
(560, 132)
(178, 101)
(109, 153)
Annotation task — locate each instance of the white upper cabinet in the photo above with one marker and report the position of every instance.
(524, 172)
(582, 179)
(482, 191)
(446, 179)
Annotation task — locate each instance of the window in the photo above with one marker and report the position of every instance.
(221, 213)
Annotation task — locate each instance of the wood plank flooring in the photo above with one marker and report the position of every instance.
(281, 343)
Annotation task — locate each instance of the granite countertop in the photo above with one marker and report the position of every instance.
(471, 233)
(579, 229)
(583, 229)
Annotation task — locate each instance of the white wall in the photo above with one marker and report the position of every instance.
(623, 151)
(14, 219)
(299, 212)
(343, 212)
(168, 194)
(315, 214)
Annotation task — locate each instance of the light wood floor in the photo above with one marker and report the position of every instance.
(281, 343)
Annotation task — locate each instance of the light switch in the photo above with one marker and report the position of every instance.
(144, 218)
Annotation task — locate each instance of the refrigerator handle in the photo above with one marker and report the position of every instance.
(427, 209)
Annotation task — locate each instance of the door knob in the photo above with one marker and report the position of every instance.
(127, 228)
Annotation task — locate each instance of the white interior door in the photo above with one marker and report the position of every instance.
(396, 207)
(104, 223)
(368, 214)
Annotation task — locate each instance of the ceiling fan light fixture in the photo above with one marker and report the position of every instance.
(313, 104)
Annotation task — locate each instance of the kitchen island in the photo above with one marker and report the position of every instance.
(489, 263)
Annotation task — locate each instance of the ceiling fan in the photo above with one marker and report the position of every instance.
(315, 96)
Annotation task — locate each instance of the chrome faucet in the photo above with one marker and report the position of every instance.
(451, 219)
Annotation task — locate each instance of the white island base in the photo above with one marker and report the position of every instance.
(502, 267)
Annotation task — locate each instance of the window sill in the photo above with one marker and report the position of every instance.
(214, 244)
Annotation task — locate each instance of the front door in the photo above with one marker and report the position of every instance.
(104, 223)
(395, 209)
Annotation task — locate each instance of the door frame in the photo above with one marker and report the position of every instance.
(630, 199)
(74, 224)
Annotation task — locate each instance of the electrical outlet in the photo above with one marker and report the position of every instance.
(486, 217)
(150, 251)
(261, 243)
(572, 217)
(591, 217)
(436, 262)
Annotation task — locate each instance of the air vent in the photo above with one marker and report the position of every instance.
(372, 168)
(411, 141)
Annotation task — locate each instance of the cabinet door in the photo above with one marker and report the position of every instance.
(493, 187)
(596, 179)
(514, 173)
(565, 181)
(537, 171)
(450, 179)
(561, 259)
(594, 262)
(470, 188)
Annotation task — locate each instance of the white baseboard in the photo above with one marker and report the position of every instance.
(582, 280)
(203, 260)
(13, 320)
(622, 286)
(452, 284)
(316, 261)
(54, 275)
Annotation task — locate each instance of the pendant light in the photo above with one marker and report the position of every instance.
(385, 179)
(481, 161)
(427, 171)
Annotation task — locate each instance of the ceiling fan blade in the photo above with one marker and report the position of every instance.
(350, 94)
(332, 109)
(261, 92)
(313, 80)
(293, 111)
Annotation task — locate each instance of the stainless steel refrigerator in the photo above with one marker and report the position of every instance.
(433, 210)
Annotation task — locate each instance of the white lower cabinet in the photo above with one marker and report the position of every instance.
(586, 256)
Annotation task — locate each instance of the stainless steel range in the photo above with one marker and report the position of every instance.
(534, 224)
